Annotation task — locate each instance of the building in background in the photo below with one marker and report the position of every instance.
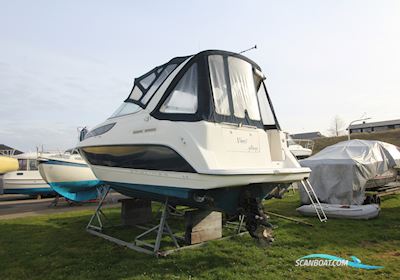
(374, 126)
(307, 135)
(8, 151)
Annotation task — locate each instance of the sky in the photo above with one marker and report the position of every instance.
(69, 64)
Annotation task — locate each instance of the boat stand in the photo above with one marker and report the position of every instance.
(237, 226)
(160, 229)
(96, 226)
(102, 193)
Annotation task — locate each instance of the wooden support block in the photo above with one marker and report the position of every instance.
(202, 225)
(135, 211)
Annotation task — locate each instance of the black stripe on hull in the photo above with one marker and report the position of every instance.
(150, 157)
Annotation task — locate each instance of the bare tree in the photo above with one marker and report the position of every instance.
(337, 126)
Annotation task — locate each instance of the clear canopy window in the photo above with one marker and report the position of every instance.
(161, 78)
(243, 88)
(136, 93)
(267, 115)
(146, 86)
(219, 85)
(183, 99)
(147, 81)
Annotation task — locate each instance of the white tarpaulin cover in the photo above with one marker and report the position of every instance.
(341, 171)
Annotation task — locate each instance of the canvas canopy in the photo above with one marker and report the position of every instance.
(215, 86)
(340, 172)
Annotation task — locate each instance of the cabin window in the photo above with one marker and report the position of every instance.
(100, 130)
(267, 115)
(33, 164)
(183, 99)
(219, 85)
(243, 89)
(23, 164)
(125, 109)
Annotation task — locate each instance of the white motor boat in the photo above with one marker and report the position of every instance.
(201, 131)
(69, 175)
(298, 150)
(27, 179)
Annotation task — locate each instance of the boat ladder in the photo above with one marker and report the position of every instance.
(314, 200)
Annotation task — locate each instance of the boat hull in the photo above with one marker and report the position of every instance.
(301, 153)
(29, 191)
(196, 180)
(225, 200)
(74, 181)
(206, 191)
(25, 182)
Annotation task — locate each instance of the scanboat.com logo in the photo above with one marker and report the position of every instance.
(329, 260)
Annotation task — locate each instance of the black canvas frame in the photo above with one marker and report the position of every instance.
(206, 107)
(136, 83)
(276, 125)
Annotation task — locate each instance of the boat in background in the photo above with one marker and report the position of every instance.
(8, 164)
(199, 131)
(300, 148)
(27, 179)
(69, 175)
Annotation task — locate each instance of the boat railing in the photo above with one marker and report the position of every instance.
(7, 153)
(305, 143)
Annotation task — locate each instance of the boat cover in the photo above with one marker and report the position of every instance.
(341, 171)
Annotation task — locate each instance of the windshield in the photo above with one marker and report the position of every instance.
(125, 109)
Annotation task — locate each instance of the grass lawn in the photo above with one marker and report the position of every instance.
(57, 247)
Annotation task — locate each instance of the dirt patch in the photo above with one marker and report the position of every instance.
(366, 244)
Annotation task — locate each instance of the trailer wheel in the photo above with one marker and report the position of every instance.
(368, 200)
